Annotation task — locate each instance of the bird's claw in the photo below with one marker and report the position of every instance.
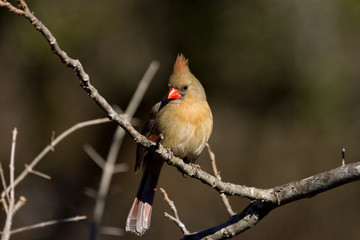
(196, 166)
(195, 169)
(170, 153)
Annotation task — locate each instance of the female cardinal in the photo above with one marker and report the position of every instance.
(182, 122)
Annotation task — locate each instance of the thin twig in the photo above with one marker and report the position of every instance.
(49, 147)
(51, 141)
(224, 198)
(121, 167)
(174, 218)
(4, 186)
(21, 202)
(10, 213)
(5, 205)
(94, 156)
(11, 8)
(110, 165)
(141, 89)
(40, 174)
(23, 5)
(47, 223)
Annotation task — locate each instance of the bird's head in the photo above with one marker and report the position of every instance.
(183, 85)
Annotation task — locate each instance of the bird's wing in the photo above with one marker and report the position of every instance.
(150, 130)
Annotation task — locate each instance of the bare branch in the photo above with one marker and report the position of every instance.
(141, 89)
(10, 212)
(11, 8)
(174, 218)
(49, 148)
(5, 205)
(23, 5)
(121, 167)
(5, 187)
(287, 193)
(48, 223)
(51, 141)
(217, 175)
(239, 223)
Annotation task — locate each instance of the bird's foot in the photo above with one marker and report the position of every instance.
(170, 153)
(195, 169)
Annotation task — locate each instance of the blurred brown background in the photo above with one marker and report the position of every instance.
(282, 78)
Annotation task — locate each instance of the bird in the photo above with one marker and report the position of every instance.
(181, 122)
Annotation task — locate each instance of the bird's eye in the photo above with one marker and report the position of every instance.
(185, 87)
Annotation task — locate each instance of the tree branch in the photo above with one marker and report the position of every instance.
(175, 218)
(224, 198)
(48, 223)
(257, 210)
(10, 212)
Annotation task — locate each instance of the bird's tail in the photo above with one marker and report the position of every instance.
(138, 220)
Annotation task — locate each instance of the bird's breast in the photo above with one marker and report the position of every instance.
(186, 127)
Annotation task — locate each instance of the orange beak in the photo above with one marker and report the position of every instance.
(174, 94)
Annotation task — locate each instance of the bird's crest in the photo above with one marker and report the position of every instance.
(181, 64)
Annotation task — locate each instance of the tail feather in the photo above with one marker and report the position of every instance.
(139, 217)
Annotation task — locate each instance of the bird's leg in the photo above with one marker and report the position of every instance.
(159, 139)
(157, 143)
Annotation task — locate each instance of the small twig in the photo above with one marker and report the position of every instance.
(4, 186)
(170, 202)
(5, 205)
(48, 223)
(11, 8)
(121, 167)
(51, 141)
(40, 174)
(94, 155)
(343, 156)
(23, 5)
(174, 218)
(141, 89)
(224, 198)
(10, 213)
(21, 202)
